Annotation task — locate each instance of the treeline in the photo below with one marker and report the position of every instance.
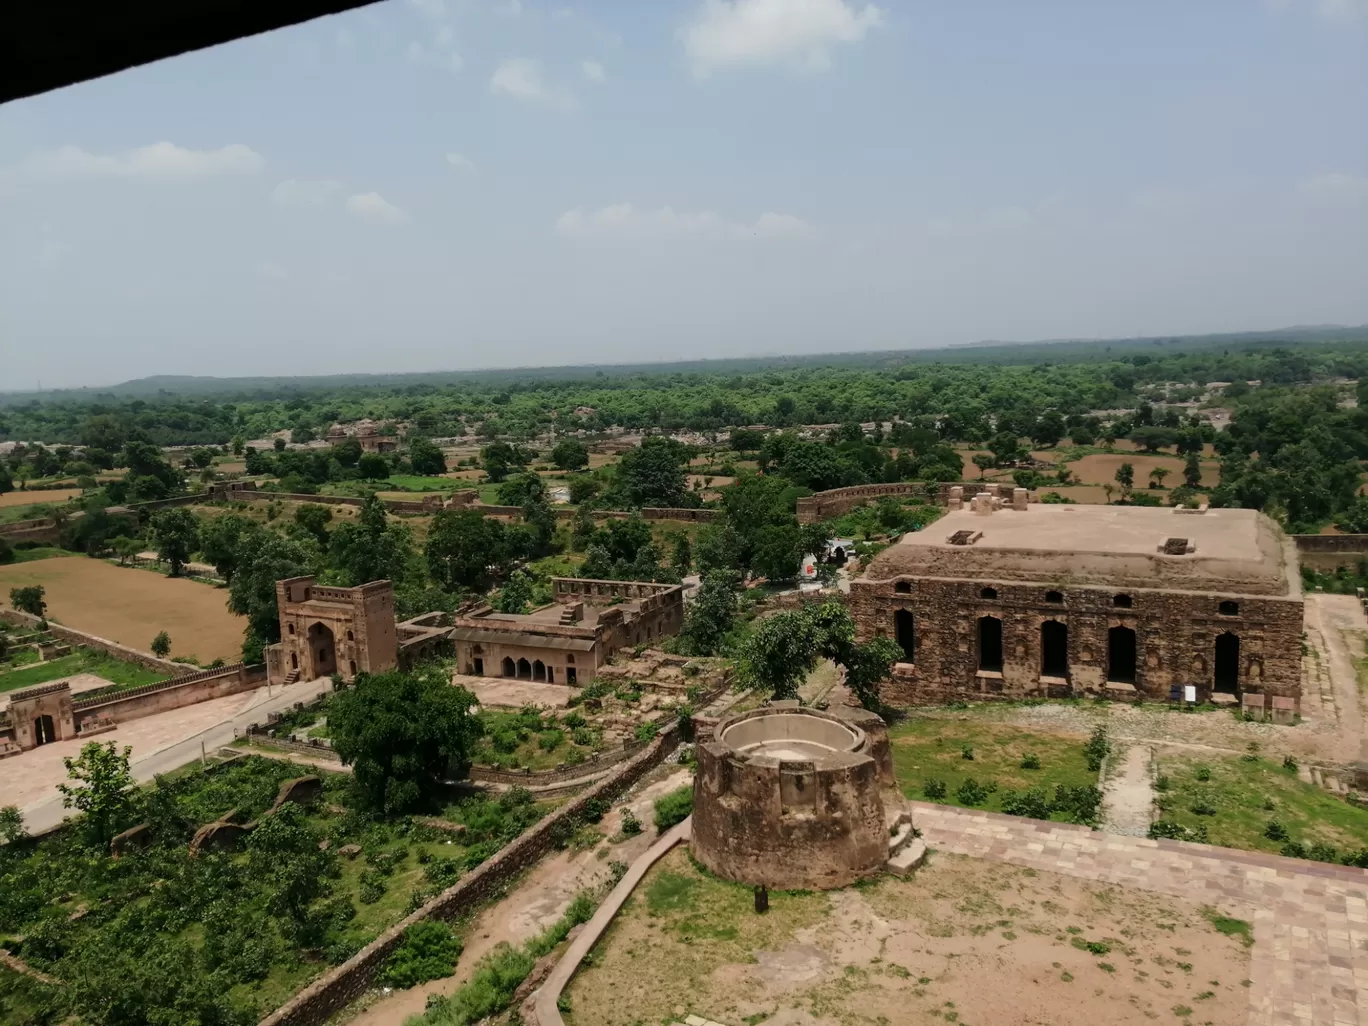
(970, 396)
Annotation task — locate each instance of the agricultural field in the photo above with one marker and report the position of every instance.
(1056, 949)
(34, 497)
(130, 606)
(225, 936)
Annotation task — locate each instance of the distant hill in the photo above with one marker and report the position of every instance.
(1053, 351)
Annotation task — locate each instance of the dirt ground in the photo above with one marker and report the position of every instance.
(130, 606)
(31, 498)
(1100, 469)
(965, 942)
(539, 900)
(500, 691)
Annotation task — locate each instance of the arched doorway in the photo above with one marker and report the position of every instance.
(510, 669)
(1121, 655)
(990, 643)
(905, 632)
(1054, 649)
(44, 731)
(322, 650)
(1227, 663)
(524, 670)
(538, 670)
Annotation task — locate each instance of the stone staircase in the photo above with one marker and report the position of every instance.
(291, 678)
(567, 617)
(906, 851)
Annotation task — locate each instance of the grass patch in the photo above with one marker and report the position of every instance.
(932, 749)
(1230, 927)
(128, 675)
(1234, 799)
(535, 740)
(38, 552)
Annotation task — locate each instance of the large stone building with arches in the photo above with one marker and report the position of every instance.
(325, 630)
(1054, 601)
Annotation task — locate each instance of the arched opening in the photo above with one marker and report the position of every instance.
(571, 675)
(290, 627)
(988, 593)
(538, 670)
(477, 666)
(569, 660)
(322, 650)
(990, 643)
(294, 661)
(550, 675)
(524, 670)
(838, 557)
(1121, 655)
(1122, 601)
(351, 636)
(1054, 596)
(44, 732)
(1229, 609)
(351, 663)
(903, 587)
(1054, 649)
(509, 669)
(1227, 663)
(905, 632)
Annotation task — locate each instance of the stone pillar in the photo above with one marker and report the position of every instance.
(981, 504)
(1020, 496)
(957, 497)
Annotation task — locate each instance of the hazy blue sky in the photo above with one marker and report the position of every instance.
(437, 184)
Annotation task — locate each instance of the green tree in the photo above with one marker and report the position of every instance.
(570, 454)
(268, 558)
(100, 787)
(29, 599)
(370, 548)
(403, 733)
(161, 645)
(222, 539)
(516, 594)
(653, 474)
(201, 457)
(285, 852)
(464, 549)
(1048, 430)
(11, 824)
(712, 615)
(426, 458)
(681, 552)
(1192, 470)
(278, 445)
(125, 548)
(315, 518)
(1005, 447)
(867, 666)
(583, 488)
(174, 535)
(373, 466)
(237, 444)
(985, 461)
(1157, 476)
(347, 452)
(520, 488)
(1125, 477)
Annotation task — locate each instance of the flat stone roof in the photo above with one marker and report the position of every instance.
(1230, 550)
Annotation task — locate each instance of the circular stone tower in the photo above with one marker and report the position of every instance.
(793, 798)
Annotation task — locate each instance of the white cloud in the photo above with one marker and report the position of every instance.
(732, 32)
(593, 71)
(522, 79)
(294, 192)
(159, 160)
(622, 220)
(1335, 186)
(460, 162)
(373, 207)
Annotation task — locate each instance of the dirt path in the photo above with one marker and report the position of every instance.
(1333, 624)
(1127, 796)
(536, 903)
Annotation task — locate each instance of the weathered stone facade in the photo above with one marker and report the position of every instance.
(41, 715)
(790, 797)
(567, 642)
(1057, 601)
(327, 630)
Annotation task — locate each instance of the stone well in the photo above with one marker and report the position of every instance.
(794, 798)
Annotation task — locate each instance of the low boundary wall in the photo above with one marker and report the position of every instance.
(333, 991)
(1328, 552)
(204, 686)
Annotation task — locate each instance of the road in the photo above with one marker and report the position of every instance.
(49, 812)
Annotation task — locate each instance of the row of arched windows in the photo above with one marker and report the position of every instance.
(1119, 601)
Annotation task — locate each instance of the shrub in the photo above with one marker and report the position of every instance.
(1166, 828)
(1162, 782)
(582, 736)
(1293, 850)
(1357, 858)
(971, 792)
(1033, 803)
(1077, 804)
(1322, 852)
(573, 720)
(934, 790)
(673, 808)
(1202, 773)
(505, 741)
(967, 752)
(646, 731)
(1275, 831)
(631, 826)
(1097, 748)
(428, 951)
(1202, 807)
(1030, 762)
(442, 873)
(550, 740)
(372, 887)
(1289, 763)
(595, 809)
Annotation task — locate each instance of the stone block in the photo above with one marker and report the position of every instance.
(301, 791)
(1254, 706)
(1284, 709)
(139, 836)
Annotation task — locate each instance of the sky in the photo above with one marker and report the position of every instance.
(452, 184)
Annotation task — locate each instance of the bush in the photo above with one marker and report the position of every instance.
(1162, 782)
(1203, 807)
(442, 873)
(505, 741)
(1033, 803)
(934, 790)
(1078, 804)
(967, 752)
(1031, 762)
(971, 792)
(1357, 858)
(428, 951)
(595, 809)
(1166, 828)
(1097, 748)
(1293, 850)
(1202, 773)
(1322, 852)
(631, 826)
(582, 736)
(372, 887)
(1275, 831)
(1289, 763)
(550, 740)
(647, 731)
(673, 808)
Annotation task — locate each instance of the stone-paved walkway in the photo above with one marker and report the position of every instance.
(1309, 965)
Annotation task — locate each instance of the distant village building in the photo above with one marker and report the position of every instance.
(367, 433)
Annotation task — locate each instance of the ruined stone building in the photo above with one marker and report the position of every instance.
(327, 630)
(367, 433)
(1062, 600)
(566, 643)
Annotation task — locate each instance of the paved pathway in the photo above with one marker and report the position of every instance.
(1127, 795)
(1309, 965)
(1328, 618)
